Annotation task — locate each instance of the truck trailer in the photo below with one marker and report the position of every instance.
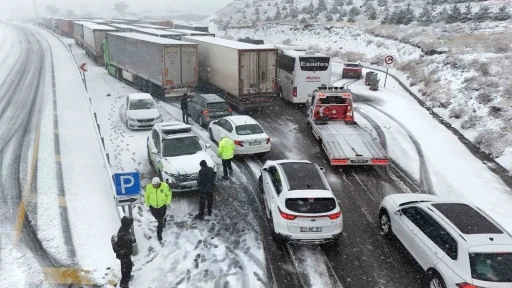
(65, 27)
(158, 33)
(191, 32)
(155, 65)
(192, 27)
(243, 74)
(78, 32)
(93, 39)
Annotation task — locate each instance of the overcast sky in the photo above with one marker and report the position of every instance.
(13, 9)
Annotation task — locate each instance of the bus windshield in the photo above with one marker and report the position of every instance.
(314, 63)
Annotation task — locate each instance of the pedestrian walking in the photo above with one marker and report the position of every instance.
(205, 183)
(158, 196)
(184, 108)
(226, 152)
(124, 249)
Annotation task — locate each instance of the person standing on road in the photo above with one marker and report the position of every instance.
(205, 183)
(226, 152)
(125, 250)
(158, 196)
(184, 108)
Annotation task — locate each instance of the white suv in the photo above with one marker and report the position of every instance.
(175, 152)
(299, 202)
(456, 243)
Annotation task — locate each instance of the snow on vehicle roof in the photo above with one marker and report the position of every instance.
(302, 53)
(212, 98)
(151, 26)
(94, 26)
(241, 120)
(186, 31)
(155, 31)
(142, 96)
(122, 26)
(225, 43)
(172, 128)
(83, 22)
(150, 38)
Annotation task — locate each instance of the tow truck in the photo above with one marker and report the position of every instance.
(331, 118)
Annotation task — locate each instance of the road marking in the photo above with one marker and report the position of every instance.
(57, 158)
(20, 219)
(68, 276)
(62, 201)
(56, 131)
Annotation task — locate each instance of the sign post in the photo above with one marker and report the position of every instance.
(388, 60)
(127, 194)
(83, 68)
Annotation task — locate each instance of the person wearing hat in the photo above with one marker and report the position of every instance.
(158, 196)
(205, 183)
(125, 250)
(226, 152)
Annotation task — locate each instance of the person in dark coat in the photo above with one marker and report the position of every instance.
(205, 183)
(125, 250)
(184, 108)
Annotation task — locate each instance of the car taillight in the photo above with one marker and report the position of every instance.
(230, 110)
(466, 285)
(380, 161)
(335, 215)
(205, 112)
(268, 140)
(294, 91)
(239, 143)
(286, 215)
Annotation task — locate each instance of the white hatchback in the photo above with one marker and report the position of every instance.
(141, 111)
(457, 244)
(247, 134)
(299, 202)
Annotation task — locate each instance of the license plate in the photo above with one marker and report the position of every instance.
(185, 186)
(310, 229)
(178, 90)
(359, 161)
(255, 143)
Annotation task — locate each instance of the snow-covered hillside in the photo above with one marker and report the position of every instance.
(459, 63)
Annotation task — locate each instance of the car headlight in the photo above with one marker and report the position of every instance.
(130, 118)
(171, 178)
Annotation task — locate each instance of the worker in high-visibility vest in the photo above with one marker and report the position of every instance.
(226, 152)
(158, 197)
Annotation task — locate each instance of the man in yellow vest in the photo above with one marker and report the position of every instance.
(226, 152)
(158, 196)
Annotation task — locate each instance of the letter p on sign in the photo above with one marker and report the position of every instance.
(127, 184)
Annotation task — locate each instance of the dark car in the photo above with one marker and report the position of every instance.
(206, 108)
(370, 75)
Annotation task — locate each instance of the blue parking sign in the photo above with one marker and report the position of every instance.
(127, 184)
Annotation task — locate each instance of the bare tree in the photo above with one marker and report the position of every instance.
(121, 7)
(70, 13)
(53, 10)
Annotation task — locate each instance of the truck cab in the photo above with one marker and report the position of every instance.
(330, 104)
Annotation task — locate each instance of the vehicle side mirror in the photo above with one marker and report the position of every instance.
(398, 212)
(154, 151)
(264, 169)
(207, 145)
(308, 103)
(322, 169)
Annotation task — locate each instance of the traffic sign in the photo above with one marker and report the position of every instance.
(127, 184)
(129, 200)
(389, 60)
(83, 67)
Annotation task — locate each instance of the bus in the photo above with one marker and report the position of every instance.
(300, 72)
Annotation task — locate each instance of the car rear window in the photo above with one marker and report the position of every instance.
(310, 205)
(303, 176)
(218, 105)
(249, 129)
(467, 219)
(314, 63)
(352, 65)
(492, 267)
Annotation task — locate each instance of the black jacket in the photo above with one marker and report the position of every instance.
(184, 103)
(124, 239)
(206, 179)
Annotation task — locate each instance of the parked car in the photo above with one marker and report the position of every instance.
(208, 107)
(352, 70)
(299, 202)
(456, 243)
(175, 152)
(141, 111)
(247, 134)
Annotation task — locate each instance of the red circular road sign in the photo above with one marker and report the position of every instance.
(389, 60)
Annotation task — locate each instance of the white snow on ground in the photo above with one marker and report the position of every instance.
(455, 172)
(19, 269)
(196, 254)
(91, 208)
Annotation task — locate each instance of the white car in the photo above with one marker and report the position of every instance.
(175, 152)
(247, 134)
(457, 244)
(299, 202)
(141, 111)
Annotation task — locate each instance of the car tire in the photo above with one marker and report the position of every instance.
(149, 160)
(260, 184)
(436, 280)
(128, 126)
(335, 243)
(278, 239)
(201, 123)
(385, 223)
(210, 132)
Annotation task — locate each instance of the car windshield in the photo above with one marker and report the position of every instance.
(142, 104)
(310, 205)
(218, 105)
(181, 146)
(249, 129)
(352, 65)
(492, 267)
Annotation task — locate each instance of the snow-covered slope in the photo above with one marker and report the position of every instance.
(469, 83)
